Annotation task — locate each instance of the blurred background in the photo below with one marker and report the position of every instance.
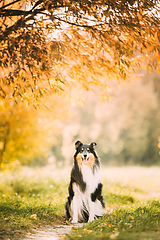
(126, 126)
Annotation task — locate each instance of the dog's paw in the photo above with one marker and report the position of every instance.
(91, 219)
(74, 221)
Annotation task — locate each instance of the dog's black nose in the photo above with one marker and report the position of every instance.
(85, 155)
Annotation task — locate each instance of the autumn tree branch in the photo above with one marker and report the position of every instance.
(9, 4)
(42, 38)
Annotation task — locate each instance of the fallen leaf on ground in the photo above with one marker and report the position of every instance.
(33, 216)
(87, 231)
(114, 235)
(73, 228)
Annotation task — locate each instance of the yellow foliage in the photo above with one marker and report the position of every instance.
(48, 46)
(27, 133)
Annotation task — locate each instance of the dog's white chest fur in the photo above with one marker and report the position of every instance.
(92, 179)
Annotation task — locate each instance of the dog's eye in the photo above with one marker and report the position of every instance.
(88, 150)
(81, 150)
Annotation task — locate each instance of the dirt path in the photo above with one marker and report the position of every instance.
(51, 233)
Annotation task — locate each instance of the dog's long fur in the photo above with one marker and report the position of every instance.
(85, 201)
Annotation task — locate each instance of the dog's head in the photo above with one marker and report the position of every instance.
(85, 154)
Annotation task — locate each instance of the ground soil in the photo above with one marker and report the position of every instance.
(51, 233)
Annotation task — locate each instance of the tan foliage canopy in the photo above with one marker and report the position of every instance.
(47, 45)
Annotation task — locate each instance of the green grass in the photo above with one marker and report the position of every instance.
(30, 199)
(33, 198)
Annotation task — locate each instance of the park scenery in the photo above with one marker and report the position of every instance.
(79, 70)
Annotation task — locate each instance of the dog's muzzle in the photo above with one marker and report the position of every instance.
(85, 158)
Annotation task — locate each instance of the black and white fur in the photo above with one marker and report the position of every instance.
(85, 202)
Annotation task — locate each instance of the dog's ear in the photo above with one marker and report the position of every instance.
(77, 144)
(93, 144)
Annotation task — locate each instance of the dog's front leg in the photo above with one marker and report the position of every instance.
(75, 209)
(91, 210)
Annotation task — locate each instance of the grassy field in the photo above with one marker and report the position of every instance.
(33, 198)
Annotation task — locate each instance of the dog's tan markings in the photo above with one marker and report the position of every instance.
(79, 158)
(90, 160)
(73, 186)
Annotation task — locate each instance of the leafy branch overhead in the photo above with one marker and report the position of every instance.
(50, 45)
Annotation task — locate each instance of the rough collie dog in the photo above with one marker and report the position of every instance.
(85, 202)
